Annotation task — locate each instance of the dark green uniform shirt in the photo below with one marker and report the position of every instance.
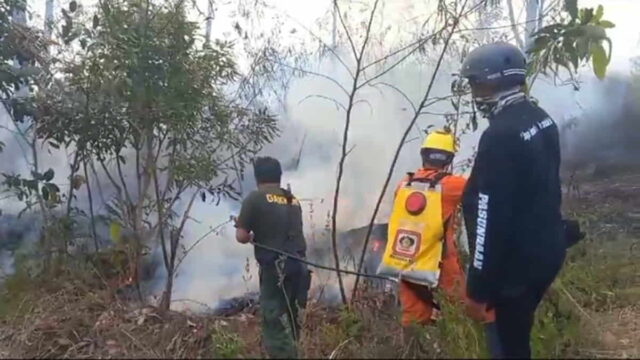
(266, 213)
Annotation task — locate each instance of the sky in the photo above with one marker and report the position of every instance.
(626, 34)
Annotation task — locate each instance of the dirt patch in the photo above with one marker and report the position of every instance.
(614, 334)
(608, 210)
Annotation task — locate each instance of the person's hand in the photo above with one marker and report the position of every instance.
(243, 236)
(476, 310)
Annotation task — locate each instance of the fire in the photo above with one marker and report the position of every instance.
(377, 244)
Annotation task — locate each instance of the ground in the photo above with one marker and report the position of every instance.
(591, 310)
(610, 207)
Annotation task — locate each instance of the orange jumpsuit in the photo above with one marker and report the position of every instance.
(417, 300)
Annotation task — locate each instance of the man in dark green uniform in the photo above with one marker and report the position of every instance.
(272, 216)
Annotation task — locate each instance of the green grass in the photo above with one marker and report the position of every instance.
(226, 345)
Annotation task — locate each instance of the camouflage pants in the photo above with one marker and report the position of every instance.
(283, 292)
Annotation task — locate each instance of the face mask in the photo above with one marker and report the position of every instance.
(484, 105)
(488, 104)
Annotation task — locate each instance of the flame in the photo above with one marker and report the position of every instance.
(376, 245)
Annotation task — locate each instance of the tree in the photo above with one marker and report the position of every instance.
(561, 36)
(10, 76)
(145, 100)
(571, 42)
(24, 65)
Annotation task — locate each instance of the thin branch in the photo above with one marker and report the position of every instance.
(159, 209)
(336, 102)
(367, 102)
(401, 60)
(346, 30)
(121, 176)
(308, 72)
(405, 96)
(178, 234)
(95, 175)
(94, 233)
(200, 239)
(345, 140)
(74, 168)
(111, 178)
(402, 93)
(330, 48)
(418, 44)
(514, 27)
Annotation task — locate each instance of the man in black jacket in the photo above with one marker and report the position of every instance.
(512, 200)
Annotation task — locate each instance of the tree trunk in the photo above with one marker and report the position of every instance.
(165, 300)
(514, 25)
(531, 23)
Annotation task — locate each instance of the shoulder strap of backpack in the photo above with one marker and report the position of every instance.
(432, 181)
(435, 180)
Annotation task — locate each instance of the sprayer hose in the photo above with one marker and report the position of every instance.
(266, 247)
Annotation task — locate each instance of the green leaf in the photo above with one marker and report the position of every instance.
(598, 14)
(32, 185)
(540, 43)
(606, 24)
(571, 6)
(594, 32)
(599, 60)
(96, 21)
(73, 6)
(53, 188)
(582, 47)
(45, 193)
(66, 30)
(572, 53)
(586, 15)
(48, 175)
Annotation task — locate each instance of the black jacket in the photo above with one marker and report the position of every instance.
(512, 204)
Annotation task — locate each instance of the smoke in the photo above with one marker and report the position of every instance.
(313, 128)
(310, 145)
(599, 124)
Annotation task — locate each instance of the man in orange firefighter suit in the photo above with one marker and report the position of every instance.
(417, 301)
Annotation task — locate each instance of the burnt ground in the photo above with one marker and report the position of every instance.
(608, 204)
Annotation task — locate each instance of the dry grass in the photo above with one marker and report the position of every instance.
(79, 322)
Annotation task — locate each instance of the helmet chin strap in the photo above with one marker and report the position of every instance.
(487, 105)
(484, 106)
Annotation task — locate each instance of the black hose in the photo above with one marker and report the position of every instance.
(321, 266)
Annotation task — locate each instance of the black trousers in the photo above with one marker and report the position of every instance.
(514, 320)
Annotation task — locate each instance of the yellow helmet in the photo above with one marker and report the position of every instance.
(440, 140)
